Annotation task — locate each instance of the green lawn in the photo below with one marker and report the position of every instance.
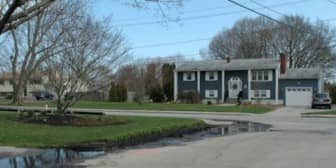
(330, 112)
(14, 133)
(258, 109)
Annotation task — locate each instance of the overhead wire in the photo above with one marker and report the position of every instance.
(205, 39)
(208, 15)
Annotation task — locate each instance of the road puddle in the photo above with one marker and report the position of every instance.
(236, 127)
(65, 157)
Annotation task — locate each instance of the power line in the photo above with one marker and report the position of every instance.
(270, 18)
(204, 39)
(259, 13)
(199, 39)
(172, 43)
(266, 7)
(185, 12)
(209, 15)
(333, 2)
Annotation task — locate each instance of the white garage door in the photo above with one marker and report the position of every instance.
(299, 96)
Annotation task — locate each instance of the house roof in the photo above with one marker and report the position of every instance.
(301, 73)
(235, 64)
(8, 75)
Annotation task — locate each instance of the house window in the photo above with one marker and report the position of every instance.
(189, 76)
(2, 81)
(212, 94)
(254, 75)
(260, 94)
(211, 76)
(261, 75)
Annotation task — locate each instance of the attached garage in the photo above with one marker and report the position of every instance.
(299, 96)
(297, 86)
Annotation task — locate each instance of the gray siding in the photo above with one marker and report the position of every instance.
(216, 85)
(242, 75)
(283, 83)
(186, 85)
(268, 85)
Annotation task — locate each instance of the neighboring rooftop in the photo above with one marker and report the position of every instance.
(8, 75)
(301, 73)
(234, 64)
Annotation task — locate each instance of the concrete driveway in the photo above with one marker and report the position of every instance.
(294, 142)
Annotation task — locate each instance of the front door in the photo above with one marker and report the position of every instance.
(235, 86)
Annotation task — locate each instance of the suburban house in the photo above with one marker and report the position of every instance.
(37, 83)
(260, 80)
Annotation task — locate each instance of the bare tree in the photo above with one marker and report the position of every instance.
(15, 12)
(33, 34)
(159, 7)
(249, 38)
(305, 43)
(37, 40)
(84, 52)
(152, 76)
(128, 75)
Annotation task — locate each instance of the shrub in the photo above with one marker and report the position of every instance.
(138, 98)
(118, 93)
(156, 94)
(9, 97)
(190, 97)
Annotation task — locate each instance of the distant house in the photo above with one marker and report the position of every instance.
(37, 83)
(260, 80)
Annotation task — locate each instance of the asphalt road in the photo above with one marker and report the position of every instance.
(295, 142)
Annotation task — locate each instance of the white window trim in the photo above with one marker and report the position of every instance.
(207, 94)
(267, 94)
(185, 75)
(263, 72)
(207, 76)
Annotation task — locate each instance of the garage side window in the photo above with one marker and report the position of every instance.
(260, 94)
(188, 76)
(262, 75)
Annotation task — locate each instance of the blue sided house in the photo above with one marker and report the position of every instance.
(266, 81)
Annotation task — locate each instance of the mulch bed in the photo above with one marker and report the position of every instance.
(74, 120)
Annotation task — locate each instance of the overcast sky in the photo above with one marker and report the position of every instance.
(205, 18)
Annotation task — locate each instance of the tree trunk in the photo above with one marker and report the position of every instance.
(17, 94)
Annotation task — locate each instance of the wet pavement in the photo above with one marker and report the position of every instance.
(68, 157)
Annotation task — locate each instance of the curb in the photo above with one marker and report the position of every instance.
(104, 111)
(317, 116)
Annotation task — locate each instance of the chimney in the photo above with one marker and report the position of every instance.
(228, 59)
(283, 63)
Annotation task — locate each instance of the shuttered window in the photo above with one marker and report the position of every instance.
(260, 94)
(211, 93)
(211, 76)
(189, 76)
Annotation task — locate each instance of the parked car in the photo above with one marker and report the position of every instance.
(321, 100)
(43, 95)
